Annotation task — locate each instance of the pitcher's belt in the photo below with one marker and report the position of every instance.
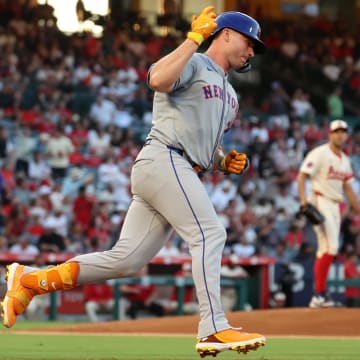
(197, 168)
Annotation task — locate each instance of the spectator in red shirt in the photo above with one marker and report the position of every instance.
(98, 298)
(82, 208)
(295, 236)
(352, 294)
(141, 297)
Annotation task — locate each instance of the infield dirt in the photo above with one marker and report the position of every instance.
(298, 322)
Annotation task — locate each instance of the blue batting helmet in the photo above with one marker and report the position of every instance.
(243, 24)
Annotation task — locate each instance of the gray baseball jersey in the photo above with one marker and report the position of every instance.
(188, 124)
(194, 116)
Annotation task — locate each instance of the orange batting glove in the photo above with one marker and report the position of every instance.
(234, 162)
(202, 26)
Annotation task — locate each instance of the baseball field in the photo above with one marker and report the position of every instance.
(292, 334)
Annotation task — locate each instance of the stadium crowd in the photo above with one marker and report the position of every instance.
(75, 110)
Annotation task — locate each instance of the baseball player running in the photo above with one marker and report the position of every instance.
(330, 174)
(194, 104)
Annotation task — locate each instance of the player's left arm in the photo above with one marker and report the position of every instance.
(351, 196)
(233, 162)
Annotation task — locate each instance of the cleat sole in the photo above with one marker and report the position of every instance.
(211, 350)
(207, 352)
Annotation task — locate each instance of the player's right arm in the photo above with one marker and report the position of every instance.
(301, 185)
(165, 72)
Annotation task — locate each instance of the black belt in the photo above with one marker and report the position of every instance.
(196, 167)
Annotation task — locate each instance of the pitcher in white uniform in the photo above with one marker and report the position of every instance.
(329, 170)
(194, 104)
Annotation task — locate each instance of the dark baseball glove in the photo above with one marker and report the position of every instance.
(312, 214)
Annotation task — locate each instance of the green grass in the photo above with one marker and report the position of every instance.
(15, 346)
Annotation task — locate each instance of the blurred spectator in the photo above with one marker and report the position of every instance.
(22, 192)
(331, 68)
(190, 305)
(294, 237)
(16, 221)
(38, 167)
(141, 297)
(99, 141)
(102, 111)
(244, 247)
(79, 133)
(6, 146)
(278, 108)
(51, 241)
(277, 300)
(312, 134)
(58, 220)
(289, 47)
(223, 192)
(352, 294)
(122, 117)
(169, 249)
(72, 182)
(284, 200)
(281, 253)
(59, 148)
(99, 298)
(231, 270)
(107, 171)
(350, 230)
(301, 104)
(268, 237)
(35, 227)
(7, 175)
(4, 247)
(83, 208)
(335, 104)
(259, 135)
(24, 246)
(25, 145)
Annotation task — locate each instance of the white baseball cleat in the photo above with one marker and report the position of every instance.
(318, 301)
